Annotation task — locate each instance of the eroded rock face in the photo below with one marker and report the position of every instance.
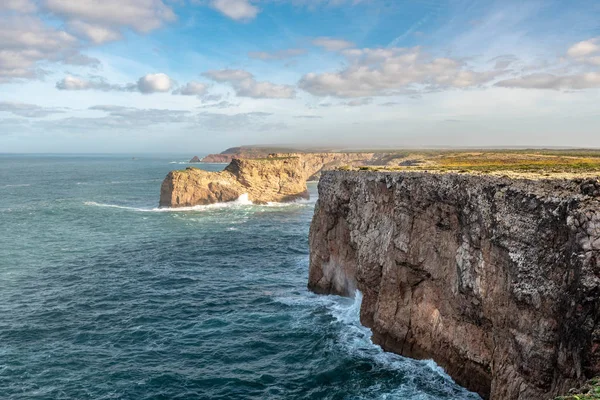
(495, 279)
(269, 180)
(312, 163)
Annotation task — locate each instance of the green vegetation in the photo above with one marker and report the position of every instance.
(591, 391)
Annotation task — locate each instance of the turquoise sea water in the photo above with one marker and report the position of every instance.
(105, 296)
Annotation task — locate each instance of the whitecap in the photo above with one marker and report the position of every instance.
(240, 202)
(17, 185)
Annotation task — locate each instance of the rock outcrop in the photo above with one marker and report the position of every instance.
(496, 279)
(195, 159)
(265, 180)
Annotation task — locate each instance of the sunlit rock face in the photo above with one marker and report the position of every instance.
(263, 181)
(496, 279)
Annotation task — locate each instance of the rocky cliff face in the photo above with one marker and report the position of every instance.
(312, 163)
(315, 163)
(268, 180)
(496, 279)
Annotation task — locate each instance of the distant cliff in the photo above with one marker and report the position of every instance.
(312, 162)
(496, 279)
(264, 180)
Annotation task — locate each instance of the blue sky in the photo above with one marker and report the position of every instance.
(202, 75)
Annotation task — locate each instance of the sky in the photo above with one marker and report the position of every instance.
(198, 76)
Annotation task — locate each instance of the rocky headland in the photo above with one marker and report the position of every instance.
(313, 162)
(263, 180)
(496, 278)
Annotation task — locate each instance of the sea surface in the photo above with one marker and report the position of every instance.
(105, 296)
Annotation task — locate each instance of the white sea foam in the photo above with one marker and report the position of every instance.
(240, 202)
(18, 185)
(356, 339)
(299, 202)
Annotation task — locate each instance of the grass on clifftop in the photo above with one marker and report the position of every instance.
(484, 161)
(591, 391)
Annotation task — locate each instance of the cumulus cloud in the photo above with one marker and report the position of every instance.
(25, 41)
(332, 44)
(277, 55)
(191, 89)
(245, 85)
(381, 72)
(28, 110)
(586, 52)
(102, 21)
(95, 33)
(236, 9)
(150, 83)
(584, 48)
(153, 83)
(581, 73)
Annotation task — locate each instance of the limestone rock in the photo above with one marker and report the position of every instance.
(496, 279)
(267, 180)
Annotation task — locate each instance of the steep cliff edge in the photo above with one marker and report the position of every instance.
(264, 180)
(496, 279)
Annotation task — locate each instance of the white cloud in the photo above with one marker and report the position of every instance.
(192, 89)
(332, 44)
(25, 41)
(96, 33)
(153, 83)
(22, 6)
(277, 55)
(382, 72)
(245, 85)
(74, 83)
(580, 74)
(236, 9)
(140, 15)
(584, 48)
(150, 83)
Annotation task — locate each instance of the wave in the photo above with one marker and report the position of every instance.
(355, 339)
(241, 201)
(298, 202)
(17, 185)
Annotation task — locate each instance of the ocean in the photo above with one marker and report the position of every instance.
(105, 296)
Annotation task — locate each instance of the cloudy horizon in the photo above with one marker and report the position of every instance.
(203, 75)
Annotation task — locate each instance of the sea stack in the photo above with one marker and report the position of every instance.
(194, 160)
(263, 180)
(497, 279)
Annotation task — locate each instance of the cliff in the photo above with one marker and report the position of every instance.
(313, 163)
(496, 279)
(265, 180)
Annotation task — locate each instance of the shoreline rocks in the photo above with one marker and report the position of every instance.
(496, 279)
